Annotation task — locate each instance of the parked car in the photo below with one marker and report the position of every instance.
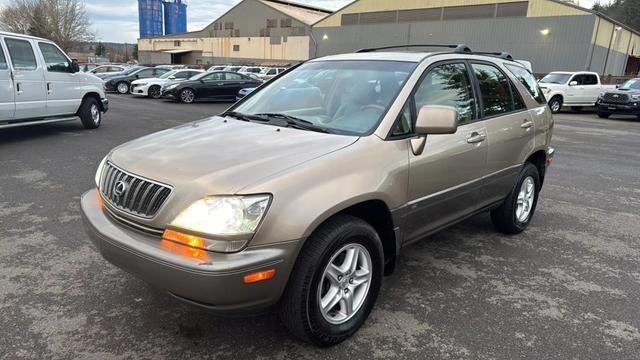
(575, 89)
(86, 67)
(153, 87)
(244, 92)
(302, 197)
(106, 70)
(232, 68)
(270, 73)
(250, 70)
(218, 85)
(622, 101)
(218, 68)
(121, 82)
(40, 84)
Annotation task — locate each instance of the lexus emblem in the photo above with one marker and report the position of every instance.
(120, 188)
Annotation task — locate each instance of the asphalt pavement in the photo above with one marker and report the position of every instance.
(567, 288)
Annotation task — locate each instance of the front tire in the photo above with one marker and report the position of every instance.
(603, 115)
(155, 92)
(90, 114)
(555, 104)
(187, 96)
(516, 212)
(122, 87)
(335, 282)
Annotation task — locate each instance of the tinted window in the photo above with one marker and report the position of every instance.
(21, 54)
(214, 76)
(590, 79)
(3, 60)
(233, 76)
(183, 75)
(272, 72)
(55, 60)
(448, 85)
(529, 82)
(494, 89)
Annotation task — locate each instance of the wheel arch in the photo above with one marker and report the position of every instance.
(93, 95)
(539, 160)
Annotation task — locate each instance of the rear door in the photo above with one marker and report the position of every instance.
(28, 77)
(444, 181)
(7, 93)
(233, 82)
(63, 86)
(591, 88)
(509, 127)
(575, 93)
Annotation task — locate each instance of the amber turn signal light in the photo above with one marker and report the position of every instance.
(99, 198)
(259, 276)
(184, 244)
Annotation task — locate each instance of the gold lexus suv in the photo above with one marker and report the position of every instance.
(302, 195)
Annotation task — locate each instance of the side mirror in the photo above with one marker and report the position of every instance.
(618, 86)
(75, 67)
(573, 83)
(434, 119)
(172, 77)
(137, 76)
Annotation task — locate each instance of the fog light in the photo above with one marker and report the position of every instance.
(259, 276)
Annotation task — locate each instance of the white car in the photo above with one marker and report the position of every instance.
(575, 89)
(106, 70)
(40, 84)
(218, 68)
(250, 70)
(153, 87)
(270, 73)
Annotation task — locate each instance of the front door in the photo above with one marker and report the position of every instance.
(63, 86)
(510, 128)
(7, 94)
(28, 78)
(445, 179)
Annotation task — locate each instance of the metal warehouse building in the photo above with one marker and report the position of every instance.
(252, 32)
(553, 35)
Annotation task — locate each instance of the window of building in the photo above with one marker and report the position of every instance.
(177, 43)
(469, 12)
(272, 23)
(275, 40)
(236, 47)
(228, 25)
(298, 31)
(55, 60)
(515, 9)
(21, 54)
(494, 90)
(529, 82)
(448, 85)
(236, 33)
(378, 17)
(285, 23)
(265, 32)
(417, 15)
(350, 19)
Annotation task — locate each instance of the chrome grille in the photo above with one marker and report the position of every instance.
(141, 197)
(616, 98)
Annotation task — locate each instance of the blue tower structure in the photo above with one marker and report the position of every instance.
(175, 17)
(150, 16)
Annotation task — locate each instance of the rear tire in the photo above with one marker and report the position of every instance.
(154, 92)
(122, 87)
(317, 278)
(90, 114)
(516, 212)
(604, 115)
(555, 104)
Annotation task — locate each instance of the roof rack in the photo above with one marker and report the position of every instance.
(501, 55)
(460, 48)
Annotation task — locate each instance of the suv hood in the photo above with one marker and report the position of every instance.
(623, 91)
(222, 155)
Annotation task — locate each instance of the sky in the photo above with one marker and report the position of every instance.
(117, 20)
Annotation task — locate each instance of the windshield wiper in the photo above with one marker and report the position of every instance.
(242, 116)
(295, 122)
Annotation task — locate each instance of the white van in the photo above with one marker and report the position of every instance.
(39, 84)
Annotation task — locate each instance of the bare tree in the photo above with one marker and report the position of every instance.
(63, 21)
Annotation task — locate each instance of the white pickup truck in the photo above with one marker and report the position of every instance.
(575, 89)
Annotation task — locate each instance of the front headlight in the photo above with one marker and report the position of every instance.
(225, 223)
(140, 84)
(99, 171)
(601, 94)
(635, 97)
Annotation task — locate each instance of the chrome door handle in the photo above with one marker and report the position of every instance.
(527, 124)
(476, 137)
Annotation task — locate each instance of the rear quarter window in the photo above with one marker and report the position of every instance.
(529, 82)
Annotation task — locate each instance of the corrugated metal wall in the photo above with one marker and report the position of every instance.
(150, 18)
(567, 46)
(175, 17)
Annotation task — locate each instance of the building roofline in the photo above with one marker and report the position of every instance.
(335, 12)
(294, 4)
(303, 6)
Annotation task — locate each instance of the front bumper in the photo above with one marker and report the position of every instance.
(140, 90)
(216, 283)
(628, 108)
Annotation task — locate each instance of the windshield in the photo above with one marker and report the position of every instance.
(633, 84)
(344, 97)
(556, 78)
(168, 74)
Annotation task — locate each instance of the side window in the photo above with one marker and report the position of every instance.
(579, 79)
(21, 54)
(159, 72)
(3, 60)
(529, 82)
(214, 76)
(590, 79)
(448, 85)
(182, 75)
(55, 60)
(518, 102)
(145, 73)
(494, 89)
(272, 72)
(404, 126)
(233, 76)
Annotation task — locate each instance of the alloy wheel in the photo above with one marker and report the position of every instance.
(95, 114)
(525, 199)
(187, 96)
(345, 282)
